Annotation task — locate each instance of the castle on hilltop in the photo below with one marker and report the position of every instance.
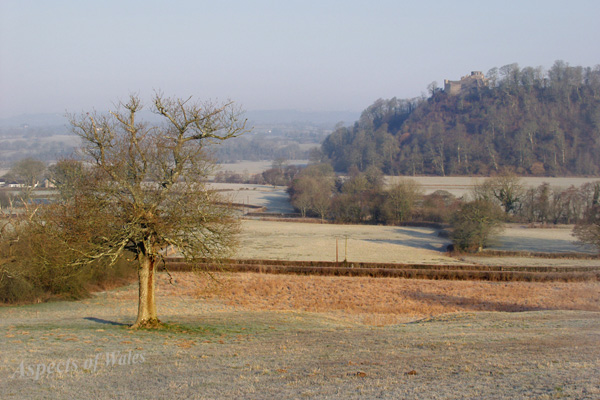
(475, 80)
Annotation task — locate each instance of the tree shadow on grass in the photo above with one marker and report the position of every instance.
(518, 243)
(277, 203)
(104, 321)
(417, 239)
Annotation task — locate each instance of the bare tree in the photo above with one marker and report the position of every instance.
(399, 201)
(143, 188)
(300, 194)
(28, 171)
(311, 191)
(506, 189)
(433, 88)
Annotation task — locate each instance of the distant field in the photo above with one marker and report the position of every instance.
(274, 199)
(46, 147)
(460, 185)
(302, 241)
(552, 240)
(254, 167)
(388, 244)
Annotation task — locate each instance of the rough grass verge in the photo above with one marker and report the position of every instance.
(535, 254)
(384, 301)
(407, 271)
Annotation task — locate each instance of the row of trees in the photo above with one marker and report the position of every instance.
(543, 204)
(259, 148)
(534, 122)
(280, 174)
(363, 197)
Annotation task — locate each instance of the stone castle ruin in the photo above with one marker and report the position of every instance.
(475, 80)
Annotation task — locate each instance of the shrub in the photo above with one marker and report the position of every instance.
(439, 206)
(475, 224)
(588, 229)
(15, 288)
(35, 266)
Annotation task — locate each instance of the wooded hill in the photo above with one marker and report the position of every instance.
(526, 120)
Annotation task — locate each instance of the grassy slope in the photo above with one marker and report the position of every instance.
(221, 351)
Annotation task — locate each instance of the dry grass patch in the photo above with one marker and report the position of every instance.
(383, 301)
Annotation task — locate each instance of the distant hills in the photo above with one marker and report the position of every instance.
(258, 116)
(330, 118)
(529, 121)
(34, 120)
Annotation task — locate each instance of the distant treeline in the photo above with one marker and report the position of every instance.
(528, 121)
(35, 142)
(272, 142)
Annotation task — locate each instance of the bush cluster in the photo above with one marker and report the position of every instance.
(35, 268)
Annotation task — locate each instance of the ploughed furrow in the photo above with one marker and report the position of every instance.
(408, 271)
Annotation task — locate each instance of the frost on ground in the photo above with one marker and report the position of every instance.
(318, 242)
(216, 349)
(386, 244)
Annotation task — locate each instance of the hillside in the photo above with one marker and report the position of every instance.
(527, 120)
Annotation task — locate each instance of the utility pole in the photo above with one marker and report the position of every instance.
(346, 250)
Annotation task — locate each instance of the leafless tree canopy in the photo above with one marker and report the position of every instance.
(141, 187)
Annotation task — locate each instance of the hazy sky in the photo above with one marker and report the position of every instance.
(327, 55)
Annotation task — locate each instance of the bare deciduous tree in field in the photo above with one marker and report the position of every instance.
(143, 188)
(399, 201)
(506, 189)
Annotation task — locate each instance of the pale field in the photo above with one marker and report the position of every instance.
(273, 198)
(254, 167)
(317, 242)
(67, 139)
(392, 244)
(461, 185)
(552, 240)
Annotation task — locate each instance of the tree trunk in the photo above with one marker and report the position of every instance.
(146, 317)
